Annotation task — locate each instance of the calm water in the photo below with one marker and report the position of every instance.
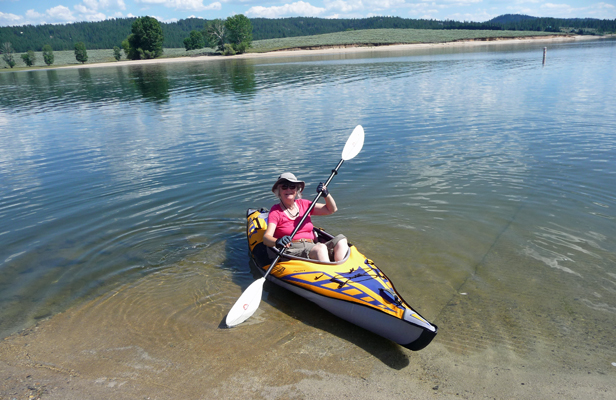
(485, 187)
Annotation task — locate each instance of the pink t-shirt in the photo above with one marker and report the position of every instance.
(285, 225)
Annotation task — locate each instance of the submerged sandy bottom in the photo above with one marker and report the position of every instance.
(159, 338)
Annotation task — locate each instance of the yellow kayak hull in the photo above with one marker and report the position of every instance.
(354, 289)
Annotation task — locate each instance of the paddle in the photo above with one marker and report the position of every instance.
(249, 301)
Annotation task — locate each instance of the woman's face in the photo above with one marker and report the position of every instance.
(288, 190)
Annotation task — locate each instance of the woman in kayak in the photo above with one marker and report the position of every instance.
(284, 217)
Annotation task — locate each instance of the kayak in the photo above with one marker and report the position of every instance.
(354, 289)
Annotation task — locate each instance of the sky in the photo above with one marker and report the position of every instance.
(34, 12)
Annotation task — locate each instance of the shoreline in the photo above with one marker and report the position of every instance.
(339, 49)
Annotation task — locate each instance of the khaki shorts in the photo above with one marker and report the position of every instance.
(302, 249)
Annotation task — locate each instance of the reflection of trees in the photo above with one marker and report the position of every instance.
(237, 76)
(241, 76)
(152, 82)
(34, 78)
(52, 77)
(86, 85)
(64, 88)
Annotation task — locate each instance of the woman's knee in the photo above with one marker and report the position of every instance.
(319, 252)
(342, 243)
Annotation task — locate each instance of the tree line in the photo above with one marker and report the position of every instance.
(517, 22)
(109, 33)
(231, 36)
(147, 36)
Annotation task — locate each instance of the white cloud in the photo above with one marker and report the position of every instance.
(87, 10)
(214, 6)
(10, 19)
(424, 10)
(461, 3)
(55, 15)
(478, 16)
(185, 5)
(348, 6)
(337, 8)
(165, 20)
(384, 4)
(344, 6)
(560, 10)
(105, 4)
(298, 8)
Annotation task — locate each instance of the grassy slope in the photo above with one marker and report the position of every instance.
(361, 37)
(387, 36)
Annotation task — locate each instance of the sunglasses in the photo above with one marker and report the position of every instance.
(286, 186)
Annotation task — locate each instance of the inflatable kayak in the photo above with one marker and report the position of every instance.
(353, 289)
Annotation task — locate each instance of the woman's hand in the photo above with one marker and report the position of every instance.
(284, 241)
(322, 189)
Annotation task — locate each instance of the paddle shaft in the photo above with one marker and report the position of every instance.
(301, 222)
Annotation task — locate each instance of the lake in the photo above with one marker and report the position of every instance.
(485, 187)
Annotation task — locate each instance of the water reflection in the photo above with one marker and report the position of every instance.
(101, 86)
(151, 81)
(482, 173)
(222, 78)
(52, 77)
(234, 75)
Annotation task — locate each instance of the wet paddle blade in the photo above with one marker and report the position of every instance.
(247, 304)
(354, 143)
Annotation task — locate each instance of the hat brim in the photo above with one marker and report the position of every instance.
(302, 184)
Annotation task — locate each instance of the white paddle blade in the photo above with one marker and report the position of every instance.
(247, 304)
(354, 143)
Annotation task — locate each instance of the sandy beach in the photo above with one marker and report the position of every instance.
(346, 50)
(160, 337)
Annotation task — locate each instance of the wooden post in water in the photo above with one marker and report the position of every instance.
(545, 50)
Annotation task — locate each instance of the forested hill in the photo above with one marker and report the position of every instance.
(96, 35)
(109, 33)
(519, 22)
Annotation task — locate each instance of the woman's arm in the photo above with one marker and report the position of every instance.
(268, 237)
(325, 209)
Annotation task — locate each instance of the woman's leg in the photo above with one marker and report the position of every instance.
(319, 252)
(341, 249)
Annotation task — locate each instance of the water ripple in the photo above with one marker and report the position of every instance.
(483, 172)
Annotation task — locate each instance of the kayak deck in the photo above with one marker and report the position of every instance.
(355, 289)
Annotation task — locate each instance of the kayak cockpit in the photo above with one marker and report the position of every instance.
(257, 224)
(322, 237)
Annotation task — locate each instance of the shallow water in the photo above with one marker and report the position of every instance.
(484, 188)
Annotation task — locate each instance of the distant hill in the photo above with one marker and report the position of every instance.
(584, 26)
(108, 33)
(508, 18)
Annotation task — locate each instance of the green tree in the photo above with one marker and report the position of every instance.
(117, 53)
(7, 54)
(125, 47)
(228, 50)
(194, 41)
(81, 54)
(214, 33)
(29, 58)
(48, 54)
(239, 32)
(146, 39)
